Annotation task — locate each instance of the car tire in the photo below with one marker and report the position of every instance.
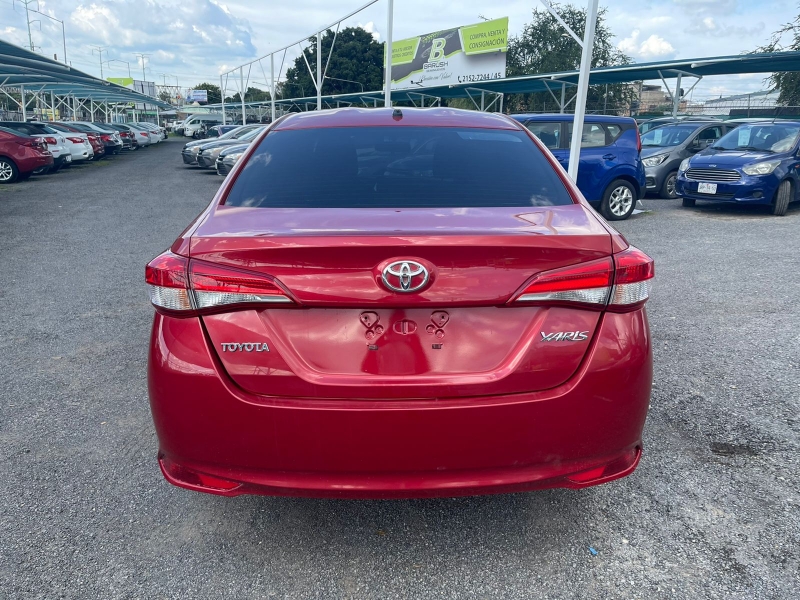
(668, 187)
(688, 202)
(782, 198)
(619, 200)
(8, 170)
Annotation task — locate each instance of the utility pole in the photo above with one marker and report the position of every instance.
(142, 56)
(100, 50)
(28, 20)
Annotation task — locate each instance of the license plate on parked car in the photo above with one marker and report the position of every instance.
(707, 188)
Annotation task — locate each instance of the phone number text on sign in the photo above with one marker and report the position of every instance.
(480, 77)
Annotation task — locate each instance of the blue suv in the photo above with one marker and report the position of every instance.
(756, 163)
(610, 172)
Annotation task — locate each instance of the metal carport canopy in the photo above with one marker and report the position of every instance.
(21, 67)
(692, 67)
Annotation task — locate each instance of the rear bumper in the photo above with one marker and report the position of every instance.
(216, 438)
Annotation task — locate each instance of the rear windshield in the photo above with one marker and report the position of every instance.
(397, 167)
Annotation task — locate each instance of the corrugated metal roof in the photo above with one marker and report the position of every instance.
(19, 66)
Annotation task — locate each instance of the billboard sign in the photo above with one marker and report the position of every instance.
(197, 96)
(468, 54)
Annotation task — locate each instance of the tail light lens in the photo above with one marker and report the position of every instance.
(638, 141)
(51, 140)
(105, 137)
(621, 283)
(75, 140)
(185, 287)
(143, 134)
(634, 270)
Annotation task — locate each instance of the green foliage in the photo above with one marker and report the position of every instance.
(214, 95)
(356, 57)
(251, 95)
(788, 82)
(544, 46)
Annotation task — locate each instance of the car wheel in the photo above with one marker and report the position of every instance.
(688, 202)
(619, 200)
(782, 198)
(8, 171)
(668, 189)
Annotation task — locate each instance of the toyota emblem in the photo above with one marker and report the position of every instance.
(405, 276)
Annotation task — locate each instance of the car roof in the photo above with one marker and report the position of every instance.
(377, 117)
(570, 117)
(14, 131)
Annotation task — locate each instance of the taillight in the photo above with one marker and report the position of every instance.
(143, 134)
(638, 140)
(185, 286)
(620, 283)
(105, 137)
(51, 140)
(587, 283)
(75, 140)
(634, 270)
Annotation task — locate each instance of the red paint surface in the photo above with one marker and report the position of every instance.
(369, 393)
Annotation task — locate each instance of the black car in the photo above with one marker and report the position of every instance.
(126, 134)
(108, 135)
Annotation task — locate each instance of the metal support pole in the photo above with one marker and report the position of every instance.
(483, 101)
(241, 88)
(676, 99)
(319, 70)
(74, 109)
(91, 107)
(53, 105)
(605, 101)
(583, 89)
(389, 24)
(222, 94)
(272, 85)
(22, 97)
(563, 91)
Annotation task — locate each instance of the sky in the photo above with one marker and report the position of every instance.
(185, 43)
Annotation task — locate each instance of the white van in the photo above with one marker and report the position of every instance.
(192, 124)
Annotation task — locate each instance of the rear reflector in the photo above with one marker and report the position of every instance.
(180, 285)
(621, 285)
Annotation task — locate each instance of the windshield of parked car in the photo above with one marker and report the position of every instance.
(397, 167)
(769, 137)
(249, 136)
(668, 135)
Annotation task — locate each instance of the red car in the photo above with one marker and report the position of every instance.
(21, 155)
(397, 303)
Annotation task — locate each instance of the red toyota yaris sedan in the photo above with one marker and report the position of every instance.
(398, 303)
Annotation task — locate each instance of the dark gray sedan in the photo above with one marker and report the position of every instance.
(665, 147)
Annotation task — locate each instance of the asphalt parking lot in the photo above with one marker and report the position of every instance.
(712, 512)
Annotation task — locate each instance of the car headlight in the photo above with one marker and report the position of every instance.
(654, 161)
(684, 165)
(233, 157)
(761, 168)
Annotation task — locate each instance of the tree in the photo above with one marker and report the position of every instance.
(788, 82)
(544, 46)
(251, 95)
(165, 96)
(356, 57)
(214, 95)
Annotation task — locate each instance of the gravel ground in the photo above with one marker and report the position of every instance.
(712, 512)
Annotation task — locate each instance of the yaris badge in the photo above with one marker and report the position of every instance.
(405, 276)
